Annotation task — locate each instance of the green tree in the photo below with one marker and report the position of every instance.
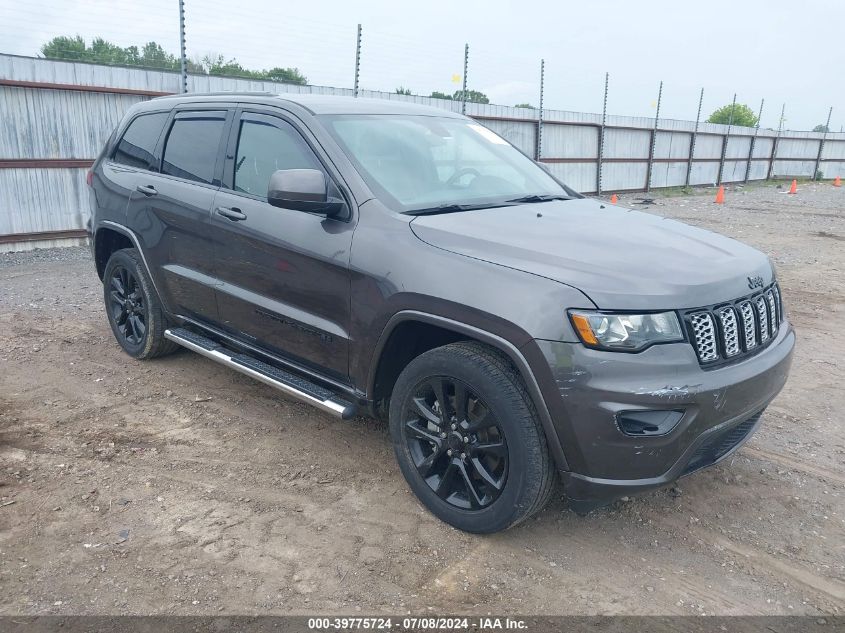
(821, 128)
(739, 114)
(401, 90)
(153, 55)
(525, 105)
(104, 52)
(440, 95)
(473, 96)
(287, 75)
(220, 66)
(133, 56)
(214, 64)
(63, 47)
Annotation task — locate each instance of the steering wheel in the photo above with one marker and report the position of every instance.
(460, 173)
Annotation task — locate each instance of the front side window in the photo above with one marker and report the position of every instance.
(264, 147)
(422, 162)
(138, 143)
(191, 148)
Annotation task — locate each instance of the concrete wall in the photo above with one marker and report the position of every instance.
(57, 115)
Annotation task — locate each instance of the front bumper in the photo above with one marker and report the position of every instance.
(585, 389)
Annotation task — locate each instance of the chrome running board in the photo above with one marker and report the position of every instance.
(290, 384)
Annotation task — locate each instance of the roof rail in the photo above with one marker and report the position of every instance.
(222, 93)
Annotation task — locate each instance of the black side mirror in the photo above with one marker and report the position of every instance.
(302, 190)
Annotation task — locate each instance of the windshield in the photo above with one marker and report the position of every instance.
(416, 163)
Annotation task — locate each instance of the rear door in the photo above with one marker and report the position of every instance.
(284, 273)
(170, 209)
(131, 157)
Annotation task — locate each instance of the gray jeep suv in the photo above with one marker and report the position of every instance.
(398, 261)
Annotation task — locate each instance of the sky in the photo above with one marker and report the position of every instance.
(783, 52)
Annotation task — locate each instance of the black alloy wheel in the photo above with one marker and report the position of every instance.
(127, 306)
(456, 443)
(135, 312)
(468, 439)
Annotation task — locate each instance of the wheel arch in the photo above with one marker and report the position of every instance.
(110, 229)
(107, 240)
(392, 354)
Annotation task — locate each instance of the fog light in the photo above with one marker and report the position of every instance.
(641, 423)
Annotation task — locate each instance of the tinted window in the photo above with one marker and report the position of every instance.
(191, 148)
(263, 148)
(139, 141)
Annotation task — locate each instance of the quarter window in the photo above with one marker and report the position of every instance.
(139, 140)
(264, 147)
(192, 146)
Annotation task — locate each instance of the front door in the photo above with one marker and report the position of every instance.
(284, 276)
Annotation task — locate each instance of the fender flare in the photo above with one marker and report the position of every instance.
(502, 345)
(120, 228)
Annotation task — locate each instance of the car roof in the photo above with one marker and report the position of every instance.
(315, 104)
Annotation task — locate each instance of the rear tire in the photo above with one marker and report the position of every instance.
(135, 313)
(468, 440)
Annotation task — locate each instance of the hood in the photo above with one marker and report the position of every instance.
(621, 259)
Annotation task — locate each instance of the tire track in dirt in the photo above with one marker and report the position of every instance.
(794, 464)
(828, 588)
(764, 561)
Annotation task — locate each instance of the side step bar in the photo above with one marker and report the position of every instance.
(286, 382)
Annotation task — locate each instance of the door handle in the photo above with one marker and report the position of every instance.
(233, 213)
(147, 190)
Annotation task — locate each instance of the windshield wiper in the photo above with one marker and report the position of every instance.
(456, 208)
(535, 197)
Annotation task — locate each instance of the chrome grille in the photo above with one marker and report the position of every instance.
(773, 313)
(763, 319)
(749, 325)
(730, 331)
(705, 336)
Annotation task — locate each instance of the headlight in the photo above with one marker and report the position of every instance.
(626, 332)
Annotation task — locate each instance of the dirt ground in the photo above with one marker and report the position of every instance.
(177, 486)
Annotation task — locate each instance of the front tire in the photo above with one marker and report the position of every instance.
(468, 440)
(135, 313)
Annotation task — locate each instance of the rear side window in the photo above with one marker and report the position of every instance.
(264, 147)
(191, 148)
(139, 140)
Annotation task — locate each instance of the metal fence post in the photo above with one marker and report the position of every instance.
(464, 91)
(694, 139)
(653, 141)
(771, 171)
(600, 156)
(540, 116)
(753, 142)
(357, 62)
(183, 61)
(725, 139)
(821, 143)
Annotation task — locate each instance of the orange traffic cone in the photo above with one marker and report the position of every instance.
(614, 199)
(837, 182)
(794, 187)
(720, 195)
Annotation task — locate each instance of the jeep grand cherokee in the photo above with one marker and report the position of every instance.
(394, 260)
